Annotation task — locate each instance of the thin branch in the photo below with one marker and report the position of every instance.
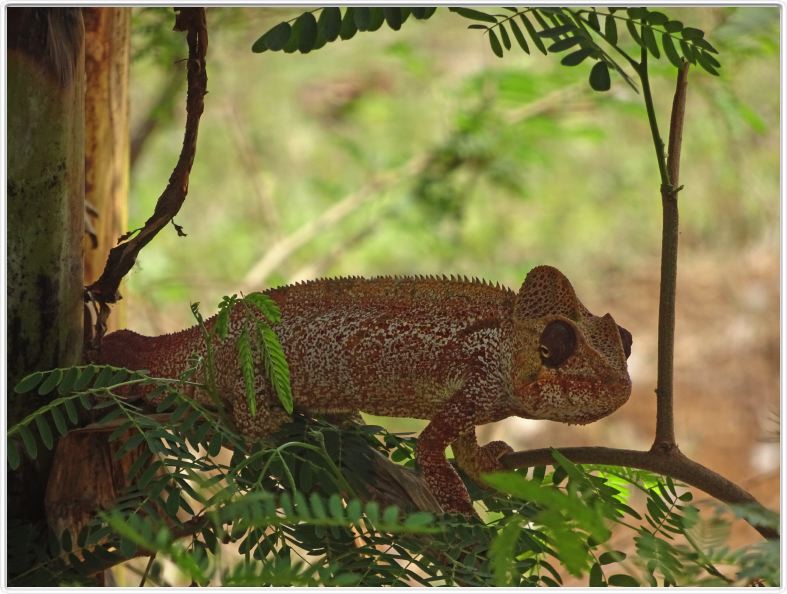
(658, 143)
(122, 257)
(665, 423)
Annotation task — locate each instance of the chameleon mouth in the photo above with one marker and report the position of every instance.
(577, 401)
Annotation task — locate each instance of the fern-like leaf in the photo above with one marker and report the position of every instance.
(276, 366)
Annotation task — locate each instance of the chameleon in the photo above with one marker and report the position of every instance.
(456, 352)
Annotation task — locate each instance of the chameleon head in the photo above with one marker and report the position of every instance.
(568, 365)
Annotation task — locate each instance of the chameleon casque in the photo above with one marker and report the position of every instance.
(458, 353)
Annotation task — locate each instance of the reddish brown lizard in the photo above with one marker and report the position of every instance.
(456, 352)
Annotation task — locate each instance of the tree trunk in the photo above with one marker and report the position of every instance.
(85, 474)
(46, 224)
(107, 59)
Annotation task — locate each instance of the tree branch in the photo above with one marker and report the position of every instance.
(671, 463)
(123, 256)
(665, 424)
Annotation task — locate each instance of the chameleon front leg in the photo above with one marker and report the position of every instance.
(476, 460)
(441, 478)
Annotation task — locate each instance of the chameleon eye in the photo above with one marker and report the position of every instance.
(558, 343)
(626, 339)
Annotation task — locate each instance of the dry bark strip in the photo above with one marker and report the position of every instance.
(123, 256)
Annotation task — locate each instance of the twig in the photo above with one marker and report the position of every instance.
(122, 257)
(665, 424)
(147, 570)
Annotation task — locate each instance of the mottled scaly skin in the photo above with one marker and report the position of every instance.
(456, 352)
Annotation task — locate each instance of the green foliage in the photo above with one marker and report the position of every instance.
(308, 490)
(306, 33)
(254, 340)
(575, 30)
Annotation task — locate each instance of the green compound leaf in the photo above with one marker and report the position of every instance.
(29, 382)
(276, 365)
(246, 362)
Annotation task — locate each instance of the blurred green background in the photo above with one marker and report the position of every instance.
(420, 152)
(526, 164)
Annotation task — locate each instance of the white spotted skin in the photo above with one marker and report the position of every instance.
(456, 352)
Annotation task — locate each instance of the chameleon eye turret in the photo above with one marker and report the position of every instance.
(558, 342)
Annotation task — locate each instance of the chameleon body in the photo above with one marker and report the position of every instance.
(456, 352)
